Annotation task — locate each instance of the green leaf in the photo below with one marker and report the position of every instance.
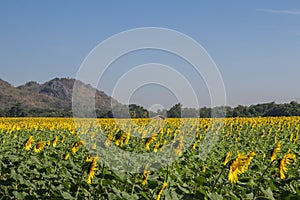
(67, 195)
(184, 190)
(128, 196)
(117, 192)
(19, 195)
(66, 185)
(268, 192)
(145, 196)
(214, 196)
(174, 195)
(250, 196)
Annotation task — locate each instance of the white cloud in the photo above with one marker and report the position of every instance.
(287, 12)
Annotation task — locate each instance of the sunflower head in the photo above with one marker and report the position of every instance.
(39, 147)
(92, 169)
(89, 158)
(237, 167)
(287, 159)
(275, 151)
(227, 158)
(28, 143)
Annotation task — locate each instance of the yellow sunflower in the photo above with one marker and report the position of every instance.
(77, 145)
(28, 143)
(146, 174)
(39, 147)
(54, 142)
(89, 158)
(161, 190)
(284, 162)
(236, 168)
(275, 151)
(227, 158)
(93, 168)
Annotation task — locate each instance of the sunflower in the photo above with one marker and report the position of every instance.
(77, 145)
(157, 145)
(275, 151)
(127, 137)
(161, 190)
(250, 157)
(67, 156)
(92, 169)
(28, 143)
(108, 140)
(39, 147)
(195, 144)
(161, 148)
(146, 174)
(237, 168)
(227, 158)
(150, 140)
(284, 162)
(123, 138)
(89, 158)
(54, 142)
(63, 139)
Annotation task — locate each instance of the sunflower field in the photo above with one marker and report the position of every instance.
(231, 158)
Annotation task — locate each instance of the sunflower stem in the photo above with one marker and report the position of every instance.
(133, 186)
(223, 169)
(259, 179)
(79, 184)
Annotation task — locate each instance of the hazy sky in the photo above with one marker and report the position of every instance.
(255, 44)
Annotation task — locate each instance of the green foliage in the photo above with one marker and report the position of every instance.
(137, 111)
(16, 111)
(2, 113)
(47, 175)
(175, 111)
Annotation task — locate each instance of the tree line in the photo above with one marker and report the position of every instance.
(259, 110)
(177, 111)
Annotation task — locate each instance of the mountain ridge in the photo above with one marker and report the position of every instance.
(53, 94)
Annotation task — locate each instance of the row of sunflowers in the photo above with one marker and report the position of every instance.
(231, 158)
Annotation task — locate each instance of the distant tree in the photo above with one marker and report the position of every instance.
(175, 111)
(240, 111)
(294, 108)
(137, 111)
(218, 112)
(104, 113)
(277, 110)
(228, 111)
(2, 113)
(205, 112)
(253, 111)
(16, 111)
(190, 113)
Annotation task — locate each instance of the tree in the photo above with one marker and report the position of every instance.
(137, 111)
(2, 113)
(277, 110)
(190, 112)
(104, 113)
(205, 112)
(175, 111)
(16, 111)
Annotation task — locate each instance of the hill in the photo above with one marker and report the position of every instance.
(52, 96)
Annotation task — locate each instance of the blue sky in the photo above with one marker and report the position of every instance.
(255, 44)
